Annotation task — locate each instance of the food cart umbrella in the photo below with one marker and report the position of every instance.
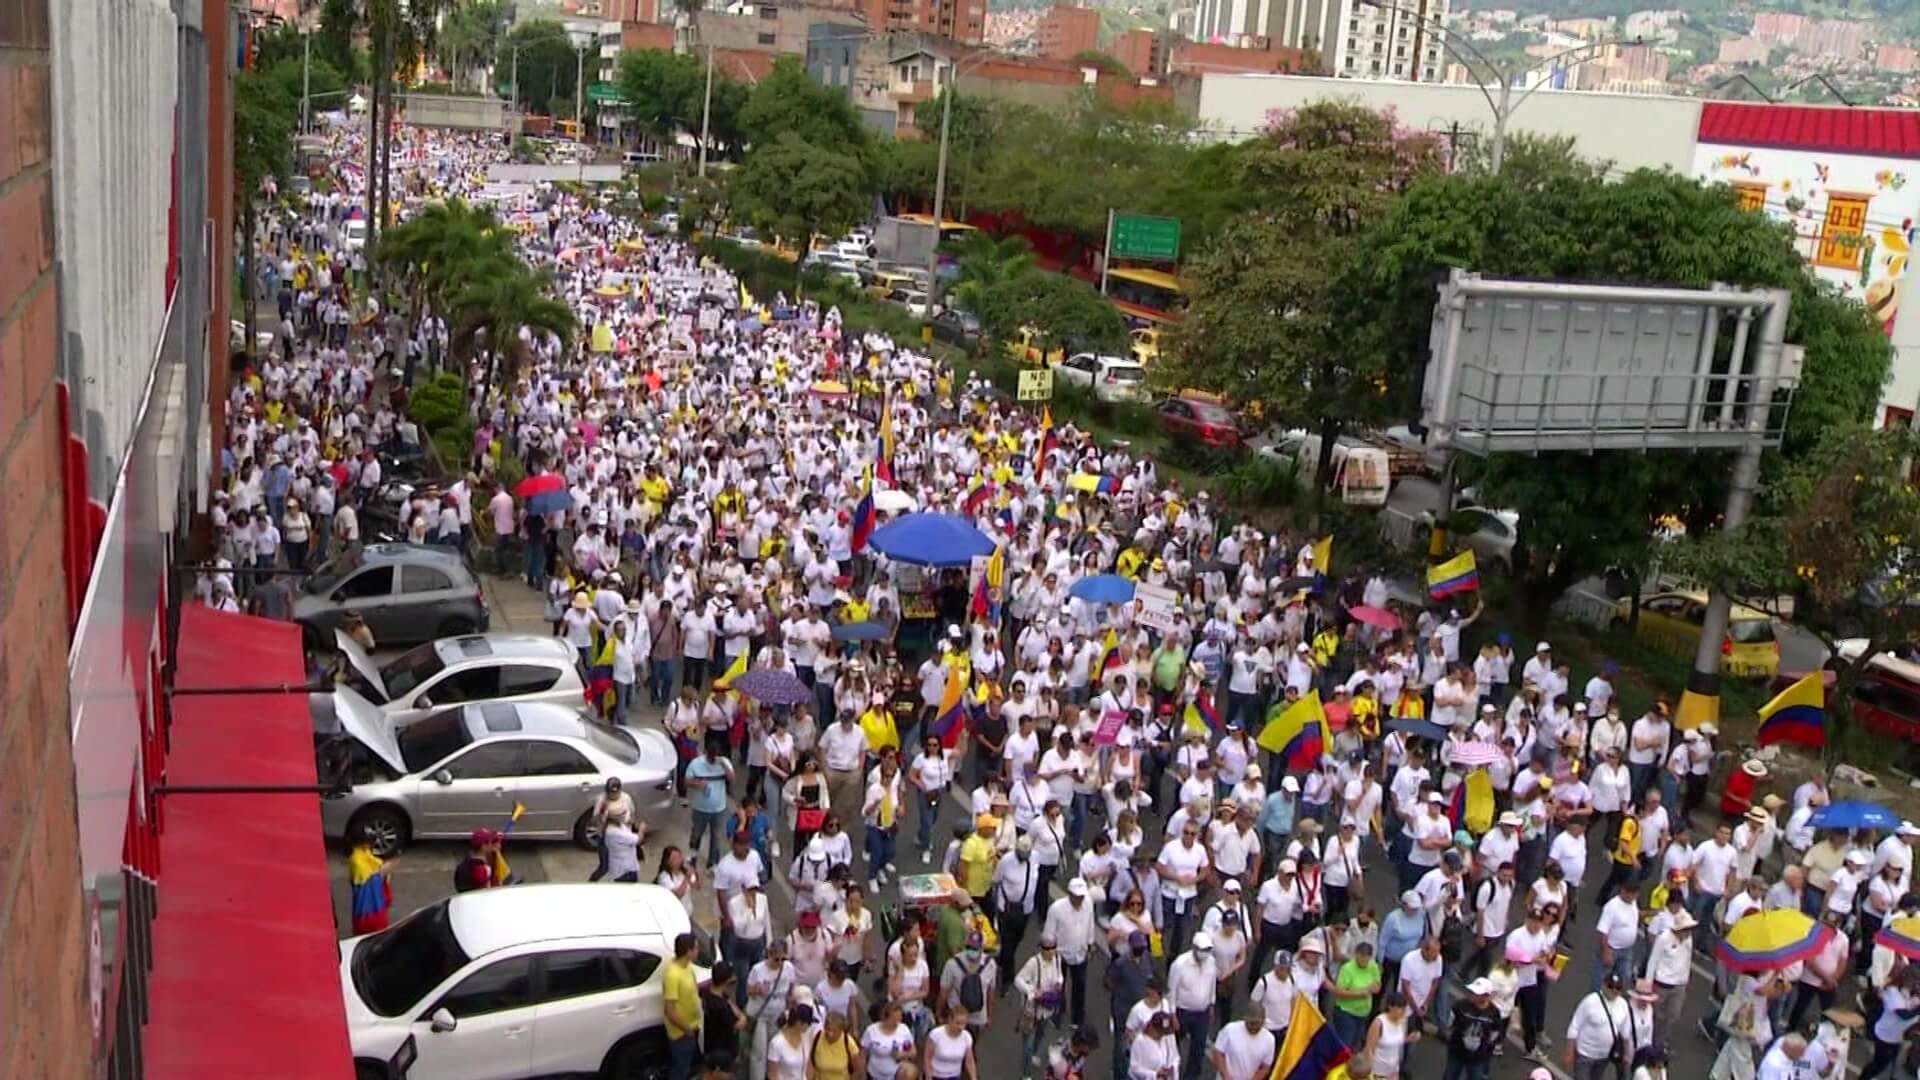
(930, 539)
(1854, 814)
(1102, 589)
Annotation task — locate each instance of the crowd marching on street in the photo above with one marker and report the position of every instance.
(1191, 806)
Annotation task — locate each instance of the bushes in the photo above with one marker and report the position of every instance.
(1259, 481)
(439, 406)
(1200, 459)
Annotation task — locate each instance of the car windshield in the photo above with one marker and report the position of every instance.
(397, 967)
(428, 740)
(1751, 631)
(1211, 413)
(1126, 374)
(615, 743)
(411, 669)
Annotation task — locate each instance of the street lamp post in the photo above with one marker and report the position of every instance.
(940, 175)
(706, 112)
(1503, 107)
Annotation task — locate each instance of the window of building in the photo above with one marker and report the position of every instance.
(1399, 69)
(1376, 67)
(1752, 194)
(764, 39)
(1840, 234)
(769, 12)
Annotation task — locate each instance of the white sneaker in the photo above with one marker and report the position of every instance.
(774, 848)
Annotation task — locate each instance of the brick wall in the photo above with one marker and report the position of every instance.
(46, 1027)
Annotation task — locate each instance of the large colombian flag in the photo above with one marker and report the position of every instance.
(1311, 1050)
(1298, 732)
(1796, 715)
(949, 719)
(1457, 575)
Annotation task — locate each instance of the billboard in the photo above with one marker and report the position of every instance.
(1532, 366)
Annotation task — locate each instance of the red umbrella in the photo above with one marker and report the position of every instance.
(539, 484)
(1373, 616)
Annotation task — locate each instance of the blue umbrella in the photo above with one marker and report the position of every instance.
(550, 502)
(1425, 729)
(861, 631)
(930, 539)
(1102, 589)
(775, 686)
(1854, 815)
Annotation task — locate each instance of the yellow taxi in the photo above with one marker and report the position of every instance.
(1024, 347)
(1146, 344)
(1670, 622)
(886, 282)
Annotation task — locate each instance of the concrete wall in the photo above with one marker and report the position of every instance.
(1629, 130)
(113, 113)
(468, 113)
(46, 1026)
(533, 174)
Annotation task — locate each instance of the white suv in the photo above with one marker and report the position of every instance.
(529, 980)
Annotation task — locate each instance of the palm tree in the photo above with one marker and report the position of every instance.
(499, 304)
(985, 264)
(443, 246)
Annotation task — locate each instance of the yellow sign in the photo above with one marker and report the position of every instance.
(1036, 384)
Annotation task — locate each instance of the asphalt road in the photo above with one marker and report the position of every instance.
(424, 874)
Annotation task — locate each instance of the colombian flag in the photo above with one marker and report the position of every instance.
(734, 671)
(986, 603)
(1110, 658)
(1202, 716)
(1049, 442)
(863, 518)
(1297, 732)
(1796, 715)
(1093, 485)
(1311, 1050)
(884, 466)
(947, 720)
(372, 893)
(1456, 575)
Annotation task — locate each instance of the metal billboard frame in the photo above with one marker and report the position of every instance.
(1532, 367)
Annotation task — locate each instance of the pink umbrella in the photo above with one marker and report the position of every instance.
(1373, 616)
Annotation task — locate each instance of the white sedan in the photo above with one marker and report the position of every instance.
(1110, 378)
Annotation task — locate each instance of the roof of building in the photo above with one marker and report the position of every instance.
(1833, 129)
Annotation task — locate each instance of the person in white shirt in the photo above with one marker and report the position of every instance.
(1600, 1025)
(1193, 986)
(1423, 981)
(1153, 1053)
(1244, 1051)
(1616, 931)
(930, 774)
(1070, 921)
(843, 748)
(1670, 966)
(1492, 913)
(1180, 865)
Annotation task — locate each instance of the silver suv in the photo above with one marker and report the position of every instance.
(467, 767)
(405, 592)
(465, 671)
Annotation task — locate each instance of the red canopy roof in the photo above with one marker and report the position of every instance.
(1831, 129)
(246, 971)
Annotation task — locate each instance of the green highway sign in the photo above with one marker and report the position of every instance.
(1138, 236)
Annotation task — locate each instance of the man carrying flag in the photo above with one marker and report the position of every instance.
(863, 518)
(883, 465)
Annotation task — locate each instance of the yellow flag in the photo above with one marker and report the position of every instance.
(734, 671)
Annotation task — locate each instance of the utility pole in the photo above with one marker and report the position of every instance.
(706, 112)
(515, 78)
(579, 92)
(306, 74)
(940, 190)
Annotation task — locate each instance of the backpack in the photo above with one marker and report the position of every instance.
(973, 992)
(473, 873)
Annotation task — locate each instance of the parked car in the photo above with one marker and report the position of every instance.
(1671, 622)
(1886, 696)
(913, 300)
(956, 327)
(1109, 378)
(499, 984)
(1361, 472)
(464, 671)
(1198, 417)
(1492, 534)
(464, 768)
(1024, 348)
(406, 593)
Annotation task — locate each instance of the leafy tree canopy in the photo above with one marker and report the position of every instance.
(546, 63)
(789, 102)
(666, 93)
(795, 189)
(1067, 312)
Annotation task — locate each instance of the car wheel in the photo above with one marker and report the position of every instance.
(455, 626)
(366, 1069)
(585, 833)
(642, 1056)
(386, 826)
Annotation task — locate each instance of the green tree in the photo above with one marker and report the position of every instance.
(546, 65)
(1830, 545)
(263, 125)
(666, 94)
(985, 264)
(326, 86)
(1265, 319)
(333, 41)
(795, 189)
(495, 307)
(1066, 312)
(789, 102)
(1589, 513)
(469, 37)
(445, 245)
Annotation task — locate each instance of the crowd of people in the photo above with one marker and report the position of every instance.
(1421, 872)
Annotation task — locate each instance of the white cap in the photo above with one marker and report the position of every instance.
(1290, 784)
(1077, 887)
(1288, 866)
(1232, 885)
(1480, 987)
(1908, 828)
(1436, 797)
(1511, 820)
(1543, 647)
(1203, 941)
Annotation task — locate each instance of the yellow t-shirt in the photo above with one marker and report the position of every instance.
(880, 729)
(681, 993)
(976, 864)
(1628, 844)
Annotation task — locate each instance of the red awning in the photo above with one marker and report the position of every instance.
(246, 969)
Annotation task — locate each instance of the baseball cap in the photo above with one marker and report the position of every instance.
(1203, 941)
(1076, 887)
